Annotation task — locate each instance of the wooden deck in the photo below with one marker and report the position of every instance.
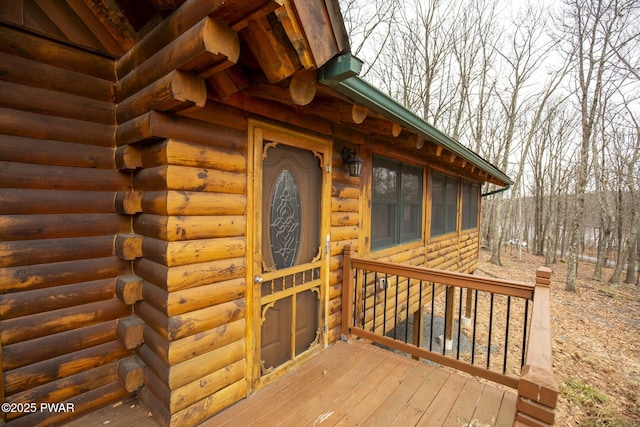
(354, 384)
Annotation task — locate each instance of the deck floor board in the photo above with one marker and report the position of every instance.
(346, 385)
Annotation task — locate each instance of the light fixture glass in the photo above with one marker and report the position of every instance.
(351, 159)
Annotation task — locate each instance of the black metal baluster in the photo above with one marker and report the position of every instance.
(444, 332)
(364, 303)
(459, 323)
(406, 320)
(375, 299)
(524, 333)
(433, 297)
(475, 323)
(490, 329)
(506, 336)
(395, 312)
(420, 310)
(384, 306)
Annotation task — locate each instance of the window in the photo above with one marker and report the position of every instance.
(469, 205)
(444, 204)
(396, 203)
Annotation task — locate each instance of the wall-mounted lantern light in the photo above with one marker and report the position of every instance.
(351, 159)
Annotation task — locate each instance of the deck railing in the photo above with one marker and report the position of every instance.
(491, 328)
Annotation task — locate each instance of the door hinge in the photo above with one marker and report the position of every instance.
(328, 168)
(326, 244)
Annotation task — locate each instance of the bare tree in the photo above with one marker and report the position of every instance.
(595, 31)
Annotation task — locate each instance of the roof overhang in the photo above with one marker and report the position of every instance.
(342, 74)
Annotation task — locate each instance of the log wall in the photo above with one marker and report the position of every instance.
(188, 208)
(59, 310)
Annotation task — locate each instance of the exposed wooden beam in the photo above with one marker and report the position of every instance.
(204, 50)
(272, 49)
(396, 129)
(359, 113)
(174, 92)
(302, 87)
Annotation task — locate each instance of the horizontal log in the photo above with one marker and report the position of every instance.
(174, 152)
(273, 110)
(26, 201)
(182, 397)
(173, 254)
(34, 125)
(56, 153)
(188, 276)
(344, 233)
(128, 246)
(157, 126)
(34, 227)
(46, 276)
(66, 319)
(131, 374)
(176, 376)
(176, 228)
(47, 51)
(19, 304)
(192, 203)
(128, 158)
(207, 407)
(30, 376)
(345, 219)
(30, 252)
(128, 202)
(69, 387)
(205, 49)
(30, 176)
(48, 347)
(190, 179)
(129, 289)
(187, 324)
(219, 115)
(339, 204)
(130, 331)
(37, 74)
(172, 93)
(179, 302)
(186, 17)
(43, 101)
(344, 190)
(178, 351)
(84, 403)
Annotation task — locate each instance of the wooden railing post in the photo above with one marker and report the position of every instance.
(538, 387)
(347, 292)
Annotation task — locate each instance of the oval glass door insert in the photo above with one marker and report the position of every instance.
(285, 220)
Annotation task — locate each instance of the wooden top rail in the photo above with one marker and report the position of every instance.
(449, 278)
(538, 386)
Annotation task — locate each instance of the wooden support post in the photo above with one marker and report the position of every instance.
(347, 291)
(131, 373)
(130, 331)
(418, 326)
(538, 386)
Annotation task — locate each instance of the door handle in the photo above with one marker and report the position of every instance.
(258, 279)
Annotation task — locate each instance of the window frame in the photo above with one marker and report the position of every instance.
(448, 222)
(398, 236)
(470, 210)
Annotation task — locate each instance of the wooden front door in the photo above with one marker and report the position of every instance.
(289, 271)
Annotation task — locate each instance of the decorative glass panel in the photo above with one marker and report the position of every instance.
(285, 220)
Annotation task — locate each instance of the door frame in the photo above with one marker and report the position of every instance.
(323, 149)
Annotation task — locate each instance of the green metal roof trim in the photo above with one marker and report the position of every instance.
(341, 73)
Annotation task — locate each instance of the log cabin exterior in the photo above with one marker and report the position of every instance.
(175, 203)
